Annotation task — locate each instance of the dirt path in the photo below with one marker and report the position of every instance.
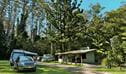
(86, 69)
(70, 68)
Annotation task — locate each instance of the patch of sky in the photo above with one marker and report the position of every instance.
(108, 4)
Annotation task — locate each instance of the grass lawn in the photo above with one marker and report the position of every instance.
(5, 68)
(112, 70)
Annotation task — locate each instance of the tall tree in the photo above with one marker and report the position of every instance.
(66, 18)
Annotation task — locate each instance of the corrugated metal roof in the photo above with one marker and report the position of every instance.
(76, 52)
(23, 51)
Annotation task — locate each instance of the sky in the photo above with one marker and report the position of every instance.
(108, 4)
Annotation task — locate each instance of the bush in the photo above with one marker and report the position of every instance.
(105, 62)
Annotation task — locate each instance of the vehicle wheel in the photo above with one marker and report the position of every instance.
(11, 64)
(15, 66)
(34, 70)
(17, 69)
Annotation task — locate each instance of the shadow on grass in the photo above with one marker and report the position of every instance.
(51, 70)
(41, 69)
(114, 69)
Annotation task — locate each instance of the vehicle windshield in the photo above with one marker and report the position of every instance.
(25, 58)
(16, 54)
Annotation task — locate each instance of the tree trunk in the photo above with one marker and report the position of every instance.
(51, 46)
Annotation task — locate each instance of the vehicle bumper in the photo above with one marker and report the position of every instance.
(26, 67)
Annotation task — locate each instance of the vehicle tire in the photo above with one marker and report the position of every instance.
(34, 69)
(17, 69)
(15, 66)
(11, 64)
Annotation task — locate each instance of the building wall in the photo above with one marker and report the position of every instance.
(90, 57)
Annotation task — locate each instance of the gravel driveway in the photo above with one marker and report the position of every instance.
(86, 69)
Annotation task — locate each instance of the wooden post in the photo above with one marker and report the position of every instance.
(67, 58)
(75, 59)
(81, 59)
(63, 58)
(58, 57)
(71, 57)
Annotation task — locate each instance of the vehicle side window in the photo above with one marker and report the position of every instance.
(16, 55)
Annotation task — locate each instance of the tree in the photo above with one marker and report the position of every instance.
(66, 20)
(2, 39)
(114, 28)
(117, 51)
(14, 15)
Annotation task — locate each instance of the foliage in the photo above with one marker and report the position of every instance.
(114, 70)
(64, 24)
(105, 62)
(2, 39)
(117, 51)
(57, 26)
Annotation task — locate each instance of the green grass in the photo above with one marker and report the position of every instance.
(114, 70)
(5, 68)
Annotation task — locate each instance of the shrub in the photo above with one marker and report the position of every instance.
(104, 62)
